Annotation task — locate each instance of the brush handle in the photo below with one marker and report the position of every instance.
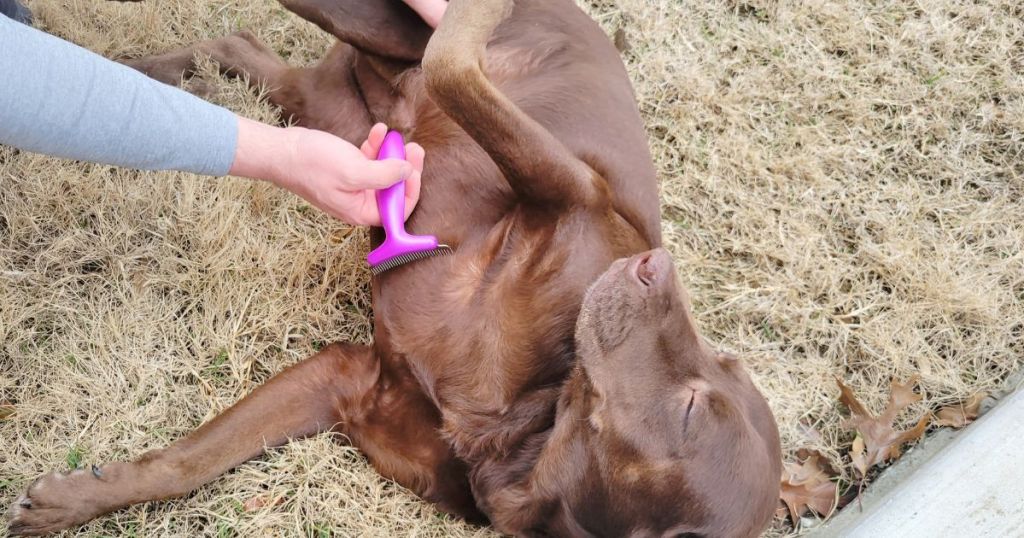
(391, 201)
(391, 204)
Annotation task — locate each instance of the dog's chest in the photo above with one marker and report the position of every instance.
(496, 318)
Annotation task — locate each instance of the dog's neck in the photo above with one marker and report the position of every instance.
(478, 436)
(530, 465)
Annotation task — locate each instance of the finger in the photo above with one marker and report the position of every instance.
(432, 11)
(374, 139)
(415, 154)
(377, 132)
(412, 192)
(379, 174)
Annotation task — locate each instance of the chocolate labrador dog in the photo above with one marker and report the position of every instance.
(548, 377)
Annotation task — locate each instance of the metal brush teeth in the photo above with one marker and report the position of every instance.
(441, 250)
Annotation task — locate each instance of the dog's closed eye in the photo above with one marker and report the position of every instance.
(689, 410)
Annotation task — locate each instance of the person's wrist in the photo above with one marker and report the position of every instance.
(264, 151)
(286, 158)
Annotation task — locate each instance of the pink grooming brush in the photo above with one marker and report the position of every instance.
(399, 247)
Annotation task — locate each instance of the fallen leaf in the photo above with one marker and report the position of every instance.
(803, 454)
(6, 410)
(620, 40)
(857, 456)
(806, 486)
(809, 432)
(877, 441)
(960, 415)
(261, 501)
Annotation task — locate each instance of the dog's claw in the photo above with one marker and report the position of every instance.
(56, 501)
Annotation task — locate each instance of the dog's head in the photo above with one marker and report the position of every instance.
(679, 441)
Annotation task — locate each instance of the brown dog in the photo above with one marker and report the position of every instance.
(548, 377)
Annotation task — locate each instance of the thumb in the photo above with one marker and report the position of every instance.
(380, 174)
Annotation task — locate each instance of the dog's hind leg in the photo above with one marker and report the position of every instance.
(325, 97)
(238, 54)
(538, 166)
(304, 399)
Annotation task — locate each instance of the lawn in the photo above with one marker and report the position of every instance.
(842, 187)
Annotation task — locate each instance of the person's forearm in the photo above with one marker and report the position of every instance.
(262, 151)
(62, 100)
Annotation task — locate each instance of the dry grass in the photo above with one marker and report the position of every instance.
(842, 187)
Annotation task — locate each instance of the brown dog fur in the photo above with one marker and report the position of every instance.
(548, 377)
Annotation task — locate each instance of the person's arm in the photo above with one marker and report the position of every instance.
(62, 100)
(328, 172)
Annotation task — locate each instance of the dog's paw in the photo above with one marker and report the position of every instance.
(56, 501)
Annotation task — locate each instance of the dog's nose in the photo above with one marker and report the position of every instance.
(652, 267)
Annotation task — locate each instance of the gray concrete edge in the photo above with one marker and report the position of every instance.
(878, 492)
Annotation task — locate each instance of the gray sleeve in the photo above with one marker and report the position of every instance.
(59, 99)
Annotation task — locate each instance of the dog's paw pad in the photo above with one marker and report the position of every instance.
(57, 501)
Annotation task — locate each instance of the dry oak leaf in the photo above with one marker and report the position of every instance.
(876, 440)
(6, 410)
(809, 432)
(259, 502)
(806, 486)
(962, 414)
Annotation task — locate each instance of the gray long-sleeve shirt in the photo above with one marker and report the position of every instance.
(62, 100)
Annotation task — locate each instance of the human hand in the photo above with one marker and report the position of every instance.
(430, 10)
(341, 179)
(327, 171)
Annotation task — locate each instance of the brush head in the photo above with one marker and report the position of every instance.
(391, 263)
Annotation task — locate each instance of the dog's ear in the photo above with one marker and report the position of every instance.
(386, 28)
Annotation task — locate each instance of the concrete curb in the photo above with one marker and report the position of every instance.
(966, 483)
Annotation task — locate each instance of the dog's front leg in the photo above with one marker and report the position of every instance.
(302, 400)
(538, 167)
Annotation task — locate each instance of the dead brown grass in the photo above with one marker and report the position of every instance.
(842, 186)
